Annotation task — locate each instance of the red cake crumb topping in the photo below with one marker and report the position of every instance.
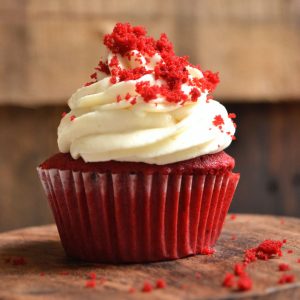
(290, 251)
(283, 267)
(298, 260)
(195, 94)
(146, 91)
(172, 69)
(72, 118)
(286, 278)
(218, 121)
(284, 241)
(161, 283)
(147, 287)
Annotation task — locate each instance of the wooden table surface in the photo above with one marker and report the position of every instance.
(46, 273)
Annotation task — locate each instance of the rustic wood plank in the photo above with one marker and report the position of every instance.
(48, 49)
(48, 274)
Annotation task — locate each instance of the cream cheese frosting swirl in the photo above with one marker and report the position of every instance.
(110, 119)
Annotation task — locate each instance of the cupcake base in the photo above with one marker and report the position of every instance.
(138, 216)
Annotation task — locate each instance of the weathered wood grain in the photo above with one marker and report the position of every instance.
(48, 274)
(48, 49)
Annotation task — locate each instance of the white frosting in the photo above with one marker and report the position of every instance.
(156, 132)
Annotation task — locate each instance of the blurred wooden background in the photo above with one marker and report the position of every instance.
(49, 48)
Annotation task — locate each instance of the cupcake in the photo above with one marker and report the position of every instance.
(141, 174)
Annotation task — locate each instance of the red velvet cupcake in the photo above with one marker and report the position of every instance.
(142, 175)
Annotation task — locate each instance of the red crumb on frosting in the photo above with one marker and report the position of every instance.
(195, 94)
(72, 118)
(63, 114)
(218, 120)
(231, 115)
(298, 260)
(284, 241)
(146, 91)
(228, 280)
(284, 267)
(244, 283)
(128, 41)
(286, 278)
(90, 283)
(147, 287)
(161, 283)
(290, 251)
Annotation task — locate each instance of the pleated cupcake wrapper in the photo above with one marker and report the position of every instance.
(118, 218)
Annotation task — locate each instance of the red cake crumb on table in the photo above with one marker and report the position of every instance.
(131, 290)
(228, 280)
(147, 287)
(239, 269)
(283, 267)
(286, 278)
(161, 283)
(232, 217)
(90, 283)
(208, 251)
(244, 283)
(266, 250)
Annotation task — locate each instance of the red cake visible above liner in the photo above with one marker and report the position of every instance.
(171, 68)
(206, 164)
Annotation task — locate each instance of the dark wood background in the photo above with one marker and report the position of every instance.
(267, 153)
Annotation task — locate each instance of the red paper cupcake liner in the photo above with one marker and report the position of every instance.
(121, 218)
